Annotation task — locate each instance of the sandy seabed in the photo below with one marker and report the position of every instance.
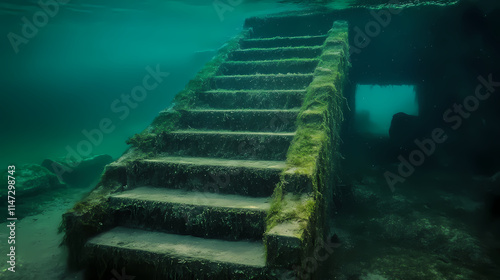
(38, 251)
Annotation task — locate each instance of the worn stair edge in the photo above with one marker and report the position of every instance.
(244, 177)
(284, 245)
(252, 99)
(276, 42)
(286, 239)
(266, 82)
(211, 215)
(284, 66)
(274, 53)
(240, 120)
(156, 255)
(224, 144)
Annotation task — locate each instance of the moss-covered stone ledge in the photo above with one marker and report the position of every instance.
(303, 200)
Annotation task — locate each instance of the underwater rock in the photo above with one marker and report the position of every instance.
(404, 130)
(78, 174)
(32, 179)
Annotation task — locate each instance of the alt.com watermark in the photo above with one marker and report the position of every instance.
(453, 116)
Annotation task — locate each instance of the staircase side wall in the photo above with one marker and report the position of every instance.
(303, 204)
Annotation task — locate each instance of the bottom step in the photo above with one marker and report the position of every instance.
(155, 255)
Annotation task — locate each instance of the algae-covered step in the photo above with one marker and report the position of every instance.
(280, 42)
(262, 81)
(252, 99)
(276, 120)
(275, 53)
(204, 214)
(282, 66)
(245, 177)
(225, 144)
(157, 255)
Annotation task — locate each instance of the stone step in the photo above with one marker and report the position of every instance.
(203, 214)
(157, 255)
(225, 144)
(240, 120)
(252, 99)
(274, 53)
(279, 42)
(255, 178)
(285, 66)
(262, 82)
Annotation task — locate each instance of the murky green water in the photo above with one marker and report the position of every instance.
(67, 76)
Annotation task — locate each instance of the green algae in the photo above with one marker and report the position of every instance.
(311, 153)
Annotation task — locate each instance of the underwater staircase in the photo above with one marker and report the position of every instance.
(191, 201)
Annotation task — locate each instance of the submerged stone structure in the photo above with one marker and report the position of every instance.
(236, 180)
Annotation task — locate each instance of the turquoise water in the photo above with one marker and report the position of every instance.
(74, 86)
(375, 106)
(66, 78)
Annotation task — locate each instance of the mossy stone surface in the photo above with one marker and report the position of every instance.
(311, 154)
